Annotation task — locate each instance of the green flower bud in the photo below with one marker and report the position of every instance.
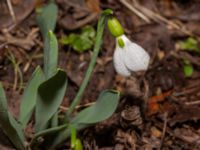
(115, 27)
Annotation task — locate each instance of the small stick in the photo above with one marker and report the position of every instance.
(3, 45)
(164, 130)
(149, 15)
(137, 12)
(12, 13)
(64, 109)
(193, 102)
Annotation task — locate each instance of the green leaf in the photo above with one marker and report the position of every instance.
(80, 42)
(104, 107)
(47, 132)
(17, 126)
(50, 96)
(9, 125)
(188, 70)
(54, 120)
(68, 39)
(50, 55)
(46, 18)
(29, 97)
(88, 31)
(190, 44)
(62, 136)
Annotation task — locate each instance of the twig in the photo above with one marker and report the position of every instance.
(148, 15)
(12, 13)
(157, 17)
(64, 109)
(193, 102)
(164, 130)
(25, 43)
(3, 45)
(137, 12)
(17, 71)
(80, 23)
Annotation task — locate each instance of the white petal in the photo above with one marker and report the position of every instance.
(119, 64)
(136, 58)
(125, 39)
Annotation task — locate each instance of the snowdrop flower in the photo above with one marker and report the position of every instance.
(128, 56)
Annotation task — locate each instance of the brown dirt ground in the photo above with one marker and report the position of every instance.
(160, 109)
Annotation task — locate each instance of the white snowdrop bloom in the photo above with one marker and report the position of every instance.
(129, 57)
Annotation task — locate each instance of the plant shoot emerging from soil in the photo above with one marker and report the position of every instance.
(46, 90)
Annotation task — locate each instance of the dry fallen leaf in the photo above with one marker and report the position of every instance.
(93, 5)
(153, 103)
(22, 9)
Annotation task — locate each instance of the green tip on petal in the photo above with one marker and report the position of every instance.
(120, 42)
(115, 27)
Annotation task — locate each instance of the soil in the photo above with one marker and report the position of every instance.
(159, 109)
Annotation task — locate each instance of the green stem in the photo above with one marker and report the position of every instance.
(73, 136)
(62, 136)
(98, 42)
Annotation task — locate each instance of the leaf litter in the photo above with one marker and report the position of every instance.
(140, 121)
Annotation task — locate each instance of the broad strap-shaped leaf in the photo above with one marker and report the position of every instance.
(104, 107)
(9, 125)
(46, 18)
(50, 96)
(29, 97)
(47, 132)
(50, 55)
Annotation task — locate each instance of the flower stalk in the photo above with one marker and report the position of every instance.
(98, 42)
